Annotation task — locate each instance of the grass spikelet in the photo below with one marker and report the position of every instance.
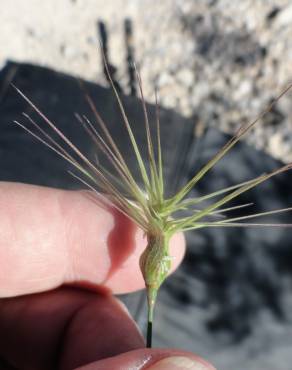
(146, 205)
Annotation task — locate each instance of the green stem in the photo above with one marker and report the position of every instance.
(151, 298)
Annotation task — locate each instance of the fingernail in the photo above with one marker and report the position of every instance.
(178, 363)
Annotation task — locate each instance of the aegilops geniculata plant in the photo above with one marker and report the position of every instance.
(147, 205)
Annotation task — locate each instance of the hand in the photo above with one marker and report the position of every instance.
(61, 256)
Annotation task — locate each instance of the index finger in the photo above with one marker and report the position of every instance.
(49, 237)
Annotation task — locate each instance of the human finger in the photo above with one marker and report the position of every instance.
(64, 329)
(49, 237)
(151, 359)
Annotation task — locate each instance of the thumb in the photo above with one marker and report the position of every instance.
(151, 359)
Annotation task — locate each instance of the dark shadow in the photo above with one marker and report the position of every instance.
(128, 27)
(105, 59)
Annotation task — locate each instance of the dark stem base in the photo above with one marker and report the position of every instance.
(149, 335)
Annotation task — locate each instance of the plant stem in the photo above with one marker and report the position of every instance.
(149, 332)
(151, 297)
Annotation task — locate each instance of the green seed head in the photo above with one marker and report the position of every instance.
(155, 262)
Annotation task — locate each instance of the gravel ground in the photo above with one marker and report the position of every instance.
(219, 62)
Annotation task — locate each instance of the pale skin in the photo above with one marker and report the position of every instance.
(61, 258)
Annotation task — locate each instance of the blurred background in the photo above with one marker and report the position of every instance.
(216, 65)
